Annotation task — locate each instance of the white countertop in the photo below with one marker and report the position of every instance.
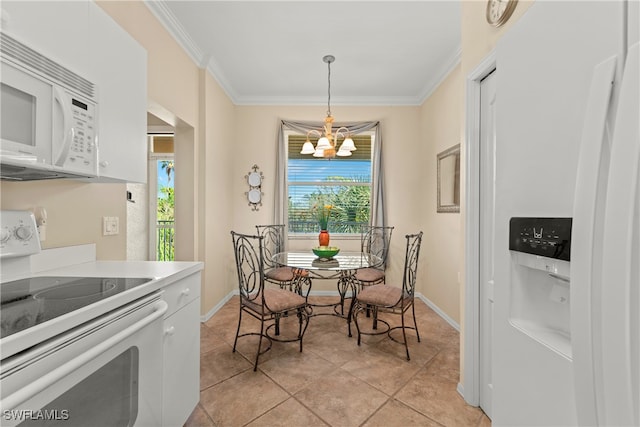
(151, 269)
(161, 273)
(78, 262)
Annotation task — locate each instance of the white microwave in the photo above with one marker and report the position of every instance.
(48, 117)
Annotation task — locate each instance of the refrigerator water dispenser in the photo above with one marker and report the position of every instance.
(540, 259)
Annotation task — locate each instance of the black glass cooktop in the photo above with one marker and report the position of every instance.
(28, 302)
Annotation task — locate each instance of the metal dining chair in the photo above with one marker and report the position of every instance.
(273, 243)
(381, 298)
(268, 304)
(374, 240)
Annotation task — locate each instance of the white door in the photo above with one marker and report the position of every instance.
(487, 221)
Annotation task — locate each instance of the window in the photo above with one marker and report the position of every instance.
(161, 169)
(342, 182)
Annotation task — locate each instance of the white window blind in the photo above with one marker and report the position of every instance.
(342, 182)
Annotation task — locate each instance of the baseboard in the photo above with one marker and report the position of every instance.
(439, 312)
(214, 310)
(460, 390)
(422, 298)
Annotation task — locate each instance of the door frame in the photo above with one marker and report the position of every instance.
(470, 387)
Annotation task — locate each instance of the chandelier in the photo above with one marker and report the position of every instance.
(326, 146)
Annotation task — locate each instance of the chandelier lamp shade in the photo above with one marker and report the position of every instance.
(328, 139)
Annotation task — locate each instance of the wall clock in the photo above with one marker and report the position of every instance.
(499, 11)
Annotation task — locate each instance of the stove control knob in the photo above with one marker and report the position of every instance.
(23, 232)
(5, 235)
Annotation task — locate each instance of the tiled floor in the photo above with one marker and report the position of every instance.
(333, 381)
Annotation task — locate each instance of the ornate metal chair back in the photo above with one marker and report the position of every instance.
(414, 242)
(273, 242)
(375, 240)
(249, 265)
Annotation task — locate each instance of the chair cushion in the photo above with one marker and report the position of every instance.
(283, 274)
(276, 300)
(369, 275)
(380, 295)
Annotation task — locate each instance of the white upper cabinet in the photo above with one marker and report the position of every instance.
(81, 36)
(119, 69)
(56, 29)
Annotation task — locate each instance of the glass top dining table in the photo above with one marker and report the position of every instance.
(342, 267)
(343, 261)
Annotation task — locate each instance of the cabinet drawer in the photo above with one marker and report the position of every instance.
(181, 293)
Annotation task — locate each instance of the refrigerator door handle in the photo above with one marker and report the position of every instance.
(621, 254)
(588, 214)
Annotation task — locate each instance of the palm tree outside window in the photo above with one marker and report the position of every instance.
(342, 182)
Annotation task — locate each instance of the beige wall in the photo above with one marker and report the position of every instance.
(440, 129)
(224, 141)
(74, 212)
(182, 94)
(220, 148)
(478, 37)
(256, 132)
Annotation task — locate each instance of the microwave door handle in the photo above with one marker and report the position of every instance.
(68, 132)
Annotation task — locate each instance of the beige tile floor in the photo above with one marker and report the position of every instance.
(333, 381)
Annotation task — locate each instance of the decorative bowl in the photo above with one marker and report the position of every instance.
(326, 252)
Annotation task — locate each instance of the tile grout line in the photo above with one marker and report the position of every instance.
(441, 346)
(392, 396)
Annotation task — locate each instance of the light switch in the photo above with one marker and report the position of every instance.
(110, 225)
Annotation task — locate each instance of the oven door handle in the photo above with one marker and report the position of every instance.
(13, 400)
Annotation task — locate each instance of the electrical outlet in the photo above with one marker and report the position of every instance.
(110, 225)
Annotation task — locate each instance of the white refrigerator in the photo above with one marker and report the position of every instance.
(566, 333)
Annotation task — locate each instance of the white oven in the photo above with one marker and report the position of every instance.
(105, 372)
(75, 351)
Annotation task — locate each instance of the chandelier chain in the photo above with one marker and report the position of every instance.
(327, 146)
(329, 89)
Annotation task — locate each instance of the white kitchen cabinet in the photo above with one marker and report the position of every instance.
(56, 29)
(119, 69)
(82, 37)
(181, 351)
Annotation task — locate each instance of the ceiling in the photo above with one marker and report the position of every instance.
(270, 52)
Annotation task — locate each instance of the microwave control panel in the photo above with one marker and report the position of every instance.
(548, 237)
(82, 154)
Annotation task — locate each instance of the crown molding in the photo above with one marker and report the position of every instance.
(216, 72)
(168, 20)
(444, 71)
(173, 26)
(335, 101)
